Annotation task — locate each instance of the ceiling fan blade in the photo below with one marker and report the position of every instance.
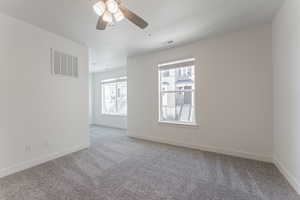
(101, 25)
(134, 18)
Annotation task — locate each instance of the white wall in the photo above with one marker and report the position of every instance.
(41, 116)
(233, 92)
(98, 118)
(91, 100)
(286, 59)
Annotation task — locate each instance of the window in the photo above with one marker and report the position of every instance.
(177, 92)
(114, 96)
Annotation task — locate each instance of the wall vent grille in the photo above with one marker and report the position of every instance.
(64, 64)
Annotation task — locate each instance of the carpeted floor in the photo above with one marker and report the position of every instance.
(119, 168)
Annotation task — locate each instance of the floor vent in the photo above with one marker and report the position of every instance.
(64, 64)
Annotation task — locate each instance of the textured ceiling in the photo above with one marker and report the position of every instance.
(182, 21)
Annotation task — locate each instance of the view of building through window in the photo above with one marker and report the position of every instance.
(177, 86)
(114, 96)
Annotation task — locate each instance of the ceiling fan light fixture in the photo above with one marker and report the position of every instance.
(119, 16)
(112, 6)
(111, 11)
(107, 17)
(99, 8)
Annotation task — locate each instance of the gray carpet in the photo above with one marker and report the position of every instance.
(119, 168)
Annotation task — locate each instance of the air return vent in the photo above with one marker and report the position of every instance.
(64, 64)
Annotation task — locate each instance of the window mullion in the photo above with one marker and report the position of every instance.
(175, 91)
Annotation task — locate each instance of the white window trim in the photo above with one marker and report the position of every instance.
(107, 81)
(113, 115)
(172, 123)
(167, 66)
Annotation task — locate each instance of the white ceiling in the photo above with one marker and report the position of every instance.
(182, 21)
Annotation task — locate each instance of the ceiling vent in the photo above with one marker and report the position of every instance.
(64, 64)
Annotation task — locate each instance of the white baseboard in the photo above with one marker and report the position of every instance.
(209, 149)
(287, 174)
(107, 126)
(37, 161)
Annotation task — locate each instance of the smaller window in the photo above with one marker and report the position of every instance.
(114, 96)
(177, 92)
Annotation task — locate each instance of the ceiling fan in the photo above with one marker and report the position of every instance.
(110, 11)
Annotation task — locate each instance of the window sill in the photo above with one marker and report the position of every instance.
(113, 115)
(183, 124)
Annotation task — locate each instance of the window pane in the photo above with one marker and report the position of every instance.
(167, 80)
(114, 96)
(122, 98)
(109, 98)
(177, 106)
(168, 112)
(177, 79)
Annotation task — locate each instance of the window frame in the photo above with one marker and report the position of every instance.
(169, 65)
(116, 81)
